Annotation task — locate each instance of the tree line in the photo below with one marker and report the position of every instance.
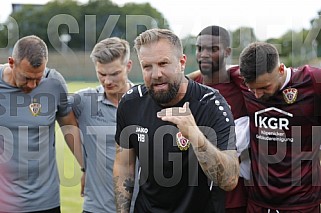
(82, 25)
(67, 24)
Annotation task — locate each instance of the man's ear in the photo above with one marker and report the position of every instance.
(129, 65)
(183, 61)
(281, 69)
(11, 62)
(227, 52)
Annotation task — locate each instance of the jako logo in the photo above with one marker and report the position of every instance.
(141, 130)
(272, 122)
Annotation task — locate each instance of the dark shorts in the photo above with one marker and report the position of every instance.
(54, 210)
(252, 208)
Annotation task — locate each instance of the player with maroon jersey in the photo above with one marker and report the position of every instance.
(284, 105)
(212, 50)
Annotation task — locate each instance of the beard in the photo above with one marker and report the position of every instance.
(266, 97)
(25, 89)
(210, 67)
(163, 96)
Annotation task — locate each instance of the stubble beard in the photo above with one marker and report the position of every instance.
(215, 67)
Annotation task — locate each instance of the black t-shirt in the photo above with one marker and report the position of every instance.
(172, 180)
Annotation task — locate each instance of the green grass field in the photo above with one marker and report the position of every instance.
(69, 170)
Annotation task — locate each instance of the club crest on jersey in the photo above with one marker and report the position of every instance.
(290, 95)
(182, 142)
(35, 108)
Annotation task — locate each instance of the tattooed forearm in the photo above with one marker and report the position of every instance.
(123, 193)
(124, 176)
(220, 166)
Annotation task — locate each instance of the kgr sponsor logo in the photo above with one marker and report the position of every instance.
(273, 123)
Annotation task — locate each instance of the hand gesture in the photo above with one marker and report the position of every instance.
(182, 117)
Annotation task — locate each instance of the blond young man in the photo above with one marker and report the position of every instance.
(95, 109)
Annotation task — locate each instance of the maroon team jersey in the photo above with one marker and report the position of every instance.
(285, 142)
(232, 93)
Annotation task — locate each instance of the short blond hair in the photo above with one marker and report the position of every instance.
(154, 35)
(109, 50)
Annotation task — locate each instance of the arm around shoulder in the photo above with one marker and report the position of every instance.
(193, 75)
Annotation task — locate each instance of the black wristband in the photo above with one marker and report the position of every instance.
(83, 169)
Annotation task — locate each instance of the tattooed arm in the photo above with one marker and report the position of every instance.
(124, 178)
(222, 167)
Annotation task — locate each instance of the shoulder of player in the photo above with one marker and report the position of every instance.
(2, 66)
(213, 105)
(208, 95)
(195, 75)
(51, 74)
(137, 91)
(203, 92)
(87, 95)
(85, 92)
(306, 71)
(234, 71)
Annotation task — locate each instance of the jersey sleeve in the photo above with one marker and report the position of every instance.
(222, 122)
(77, 100)
(119, 123)
(63, 105)
(236, 77)
(316, 78)
(242, 131)
(76, 103)
(54, 74)
(124, 130)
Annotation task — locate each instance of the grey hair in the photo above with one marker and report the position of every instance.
(32, 48)
(109, 50)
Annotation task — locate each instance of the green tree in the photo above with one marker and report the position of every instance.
(316, 28)
(85, 24)
(295, 48)
(189, 49)
(241, 37)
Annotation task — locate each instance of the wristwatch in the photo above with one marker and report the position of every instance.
(82, 169)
